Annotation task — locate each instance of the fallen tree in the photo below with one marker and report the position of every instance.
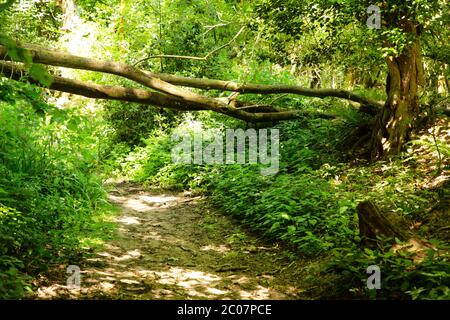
(91, 90)
(212, 84)
(170, 92)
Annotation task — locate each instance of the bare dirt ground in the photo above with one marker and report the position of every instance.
(174, 246)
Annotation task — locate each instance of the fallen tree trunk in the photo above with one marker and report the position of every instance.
(96, 91)
(92, 90)
(60, 59)
(168, 84)
(212, 84)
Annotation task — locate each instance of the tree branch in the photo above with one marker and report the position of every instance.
(169, 85)
(213, 84)
(171, 56)
(96, 91)
(143, 96)
(61, 59)
(210, 28)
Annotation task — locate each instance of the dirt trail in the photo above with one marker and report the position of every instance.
(173, 246)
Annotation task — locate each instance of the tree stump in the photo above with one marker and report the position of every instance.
(373, 223)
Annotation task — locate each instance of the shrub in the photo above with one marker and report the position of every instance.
(48, 192)
(401, 276)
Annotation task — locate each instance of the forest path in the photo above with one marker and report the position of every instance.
(173, 246)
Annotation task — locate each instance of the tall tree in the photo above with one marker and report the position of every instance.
(405, 73)
(397, 40)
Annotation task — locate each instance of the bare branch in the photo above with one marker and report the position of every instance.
(171, 56)
(213, 84)
(210, 28)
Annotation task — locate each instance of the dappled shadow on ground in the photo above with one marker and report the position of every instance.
(171, 246)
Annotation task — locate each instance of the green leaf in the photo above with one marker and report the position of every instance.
(14, 52)
(404, 286)
(285, 216)
(73, 123)
(343, 209)
(39, 73)
(291, 229)
(6, 5)
(275, 226)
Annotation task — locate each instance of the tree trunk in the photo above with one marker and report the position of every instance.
(315, 80)
(240, 110)
(68, 10)
(373, 223)
(395, 121)
(171, 86)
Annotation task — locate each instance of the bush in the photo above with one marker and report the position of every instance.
(401, 276)
(48, 192)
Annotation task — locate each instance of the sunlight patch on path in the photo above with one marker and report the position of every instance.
(222, 248)
(128, 220)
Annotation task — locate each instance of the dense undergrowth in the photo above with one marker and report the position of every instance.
(311, 202)
(49, 196)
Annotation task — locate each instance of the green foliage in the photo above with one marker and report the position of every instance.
(132, 123)
(6, 5)
(36, 71)
(16, 53)
(317, 35)
(47, 188)
(299, 209)
(48, 192)
(152, 163)
(401, 276)
(33, 21)
(40, 74)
